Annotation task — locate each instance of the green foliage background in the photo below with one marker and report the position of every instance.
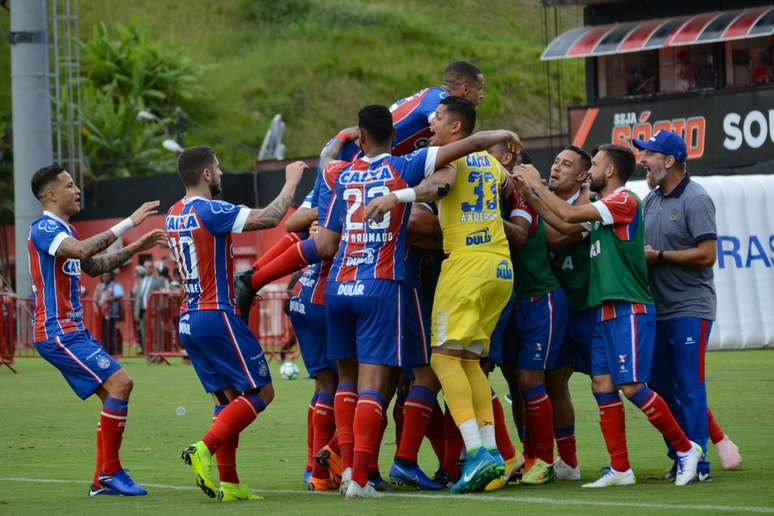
(317, 61)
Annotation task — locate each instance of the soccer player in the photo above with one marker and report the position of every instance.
(363, 296)
(307, 313)
(411, 117)
(223, 351)
(57, 257)
(474, 286)
(622, 346)
(681, 239)
(571, 266)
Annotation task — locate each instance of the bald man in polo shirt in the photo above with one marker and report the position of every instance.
(681, 247)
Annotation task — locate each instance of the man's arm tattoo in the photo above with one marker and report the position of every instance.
(82, 249)
(97, 265)
(271, 215)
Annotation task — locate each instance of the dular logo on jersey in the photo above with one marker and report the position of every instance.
(383, 173)
(479, 237)
(351, 289)
(72, 267)
(504, 270)
(181, 222)
(363, 257)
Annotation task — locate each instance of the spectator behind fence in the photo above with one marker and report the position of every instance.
(150, 283)
(108, 297)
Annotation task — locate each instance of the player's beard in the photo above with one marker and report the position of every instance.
(215, 188)
(654, 177)
(597, 185)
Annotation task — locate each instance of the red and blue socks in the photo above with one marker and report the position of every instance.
(435, 432)
(565, 445)
(324, 423)
(659, 415)
(112, 422)
(344, 405)
(398, 416)
(418, 411)
(293, 259)
(367, 428)
(540, 423)
(234, 418)
(715, 432)
(277, 249)
(98, 466)
(503, 439)
(226, 453)
(453, 445)
(612, 421)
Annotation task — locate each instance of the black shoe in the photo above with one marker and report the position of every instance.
(443, 478)
(244, 293)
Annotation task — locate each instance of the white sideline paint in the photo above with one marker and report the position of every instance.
(482, 498)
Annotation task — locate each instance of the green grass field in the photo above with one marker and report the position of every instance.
(46, 451)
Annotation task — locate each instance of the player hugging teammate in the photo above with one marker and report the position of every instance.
(431, 254)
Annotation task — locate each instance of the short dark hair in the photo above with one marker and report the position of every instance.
(461, 72)
(584, 156)
(622, 158)
(44, 177)
(376, 120)
(464, 110)
(192, 161)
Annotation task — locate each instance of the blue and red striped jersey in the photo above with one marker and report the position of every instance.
(56, 280)
(411, 119)
(370, 250)
(199, 236)
(316, 275)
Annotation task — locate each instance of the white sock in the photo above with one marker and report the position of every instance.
(488, 436)
(470, 434)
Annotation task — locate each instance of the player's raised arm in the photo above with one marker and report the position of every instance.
(479, 141)
(82, 249)
(96, 265)
(531, 186)
(271, 215)
(333, 148)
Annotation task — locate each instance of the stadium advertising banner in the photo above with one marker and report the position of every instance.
(721, 131)
(744, 270)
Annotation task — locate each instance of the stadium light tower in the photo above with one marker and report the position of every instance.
(31, 99)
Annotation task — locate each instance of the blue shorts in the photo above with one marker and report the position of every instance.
(310, 325)
(365, 323)
(623, 347)
(416, 328)
(223, 351)
(83, 361)
(502, 345)
(540, 325)
(576, 347)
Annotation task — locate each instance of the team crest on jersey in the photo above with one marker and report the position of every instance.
(72, 267)
(383, 173)
(103, 362)
(49, 226)
(363, 257)
(221, 206)
(182, 222)
(504, 270)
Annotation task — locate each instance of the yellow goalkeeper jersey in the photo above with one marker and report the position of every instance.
(470, 213)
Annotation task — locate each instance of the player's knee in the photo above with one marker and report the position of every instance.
(529, 379)
(267, 394)
(630, 389)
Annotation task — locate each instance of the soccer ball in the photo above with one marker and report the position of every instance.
(289, 371)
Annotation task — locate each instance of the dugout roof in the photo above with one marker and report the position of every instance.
(621, 38)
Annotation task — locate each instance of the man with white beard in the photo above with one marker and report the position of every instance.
(681, 247)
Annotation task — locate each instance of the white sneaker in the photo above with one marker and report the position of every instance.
(728, 453)
(565, 472)
(355, 491)
(346, 479)
(687, 463)
(614, 478)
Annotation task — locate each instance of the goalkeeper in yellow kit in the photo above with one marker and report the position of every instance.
(475, 283)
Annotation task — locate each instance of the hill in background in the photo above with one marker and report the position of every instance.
(317, 62)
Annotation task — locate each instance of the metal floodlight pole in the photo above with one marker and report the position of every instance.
(31, 98)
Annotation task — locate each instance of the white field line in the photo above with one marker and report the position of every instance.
(535, 500)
